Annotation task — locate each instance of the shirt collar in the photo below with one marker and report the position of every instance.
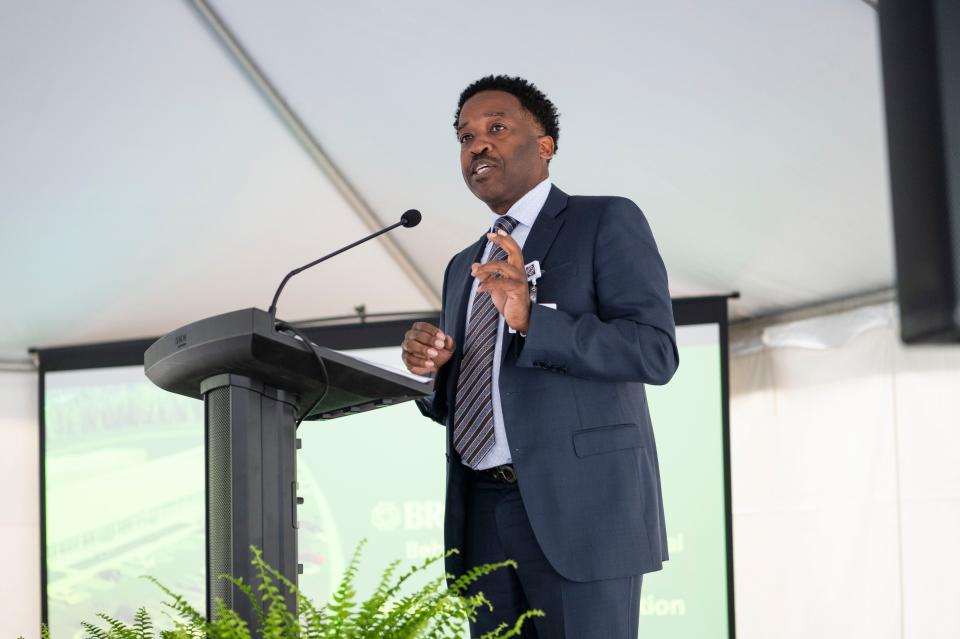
(526, 209)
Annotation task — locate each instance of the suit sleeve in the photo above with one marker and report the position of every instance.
(631, 338)
(434, 405)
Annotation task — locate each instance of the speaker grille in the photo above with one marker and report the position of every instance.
(220, 499)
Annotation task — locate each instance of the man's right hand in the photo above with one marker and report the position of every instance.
(426, 348)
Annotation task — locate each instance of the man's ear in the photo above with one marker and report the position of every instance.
(546, 147)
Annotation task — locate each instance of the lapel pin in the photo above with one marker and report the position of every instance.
(533, 271)
(533, 274)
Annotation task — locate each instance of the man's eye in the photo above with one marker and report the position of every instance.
(497, 127)
(464, 138)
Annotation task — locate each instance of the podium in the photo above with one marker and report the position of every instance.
(257, 383)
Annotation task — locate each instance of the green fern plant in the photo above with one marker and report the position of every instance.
(432, 611)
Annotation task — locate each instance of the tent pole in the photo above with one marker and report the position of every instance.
(825, 307)
(310, 144)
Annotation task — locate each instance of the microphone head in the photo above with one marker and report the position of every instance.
(410, 218)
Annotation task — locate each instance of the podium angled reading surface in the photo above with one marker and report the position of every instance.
(256, 382)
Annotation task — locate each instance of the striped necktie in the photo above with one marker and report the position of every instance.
(473, 435)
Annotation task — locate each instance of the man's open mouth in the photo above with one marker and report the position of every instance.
(482, 167)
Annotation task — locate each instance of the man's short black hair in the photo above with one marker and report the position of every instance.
(531, 98)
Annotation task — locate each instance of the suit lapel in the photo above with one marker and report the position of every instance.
(545, 227)
(538, 243)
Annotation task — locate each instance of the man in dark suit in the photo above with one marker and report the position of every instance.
(551, 458)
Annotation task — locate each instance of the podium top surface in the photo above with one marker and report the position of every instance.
(247, 343)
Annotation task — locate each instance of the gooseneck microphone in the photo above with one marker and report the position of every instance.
(409, 219)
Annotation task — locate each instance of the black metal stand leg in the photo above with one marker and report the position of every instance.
(251, 486)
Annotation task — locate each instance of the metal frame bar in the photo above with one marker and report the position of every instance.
(817, 309)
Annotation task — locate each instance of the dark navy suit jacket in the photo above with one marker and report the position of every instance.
(572, 391)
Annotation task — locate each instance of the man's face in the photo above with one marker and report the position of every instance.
(503, 151)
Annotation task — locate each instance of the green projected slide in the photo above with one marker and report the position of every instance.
(125, 490)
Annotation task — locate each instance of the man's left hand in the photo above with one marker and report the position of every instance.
(506, 282)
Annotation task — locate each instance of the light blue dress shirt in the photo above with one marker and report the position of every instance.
(525, 212)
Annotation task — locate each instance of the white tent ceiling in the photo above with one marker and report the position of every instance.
(146, 182)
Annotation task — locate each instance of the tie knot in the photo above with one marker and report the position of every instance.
(506, 223)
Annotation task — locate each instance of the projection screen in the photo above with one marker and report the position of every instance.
(123, 484)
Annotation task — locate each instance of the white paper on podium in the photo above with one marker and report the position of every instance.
(374, 357)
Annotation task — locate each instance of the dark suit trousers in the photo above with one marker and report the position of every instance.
(497, 528)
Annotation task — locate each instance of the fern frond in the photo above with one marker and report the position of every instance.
(180, 629)
(433, 606)
(343, 601)
(371, 608)
(142, 624)
(277, 620)
(94, 631)
(474, 602)
(449, 620)
(180, 605)
(247, 592)
(460, 584)
(227, 624)
(517, 626)
(416, 569)
(118, 629)
(495, 633)
(312, 618)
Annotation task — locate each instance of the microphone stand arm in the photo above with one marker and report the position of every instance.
(276, 296)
